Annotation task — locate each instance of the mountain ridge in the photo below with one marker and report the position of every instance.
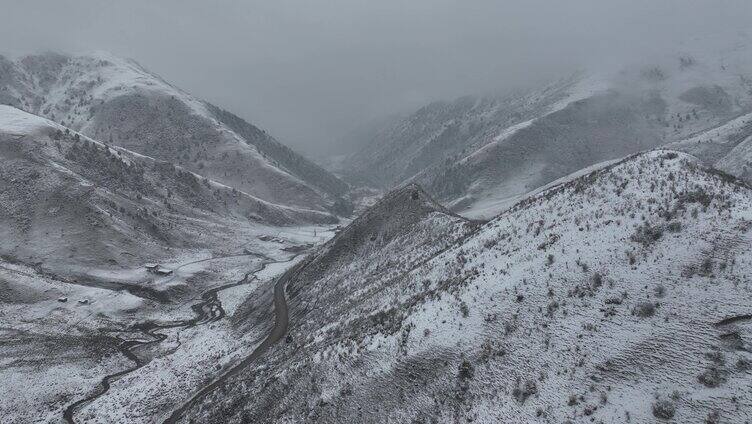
(511, 323)
(478, 154)
(43, 160)
(121, 103)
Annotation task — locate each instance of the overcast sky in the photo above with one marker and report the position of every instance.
(309, 71)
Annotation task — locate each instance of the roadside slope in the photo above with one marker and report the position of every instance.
(616, 296)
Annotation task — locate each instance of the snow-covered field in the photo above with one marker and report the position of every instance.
(64, 337)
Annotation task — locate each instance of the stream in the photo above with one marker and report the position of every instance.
(208, 310)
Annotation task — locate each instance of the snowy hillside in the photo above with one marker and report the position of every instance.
(576, 253)
(480, 155)
(616, 296)
(727, 147)
(119, 102)
(443, 130)
(69, 200)
(80, 311)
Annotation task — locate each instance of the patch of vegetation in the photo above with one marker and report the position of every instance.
(466, 370)
(644, 310)
(524, 391)
(695, 196)
(674, 226)
(669, 155)
(664, 409)
(464, 309)
(714, 417)
(647, 234)
(712, 377)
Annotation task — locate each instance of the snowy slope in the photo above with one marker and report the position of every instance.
(444, 130)
(727, 147)
(68, 199)
(475, 153)
(119, 102)
(620, 295)
(78, 221)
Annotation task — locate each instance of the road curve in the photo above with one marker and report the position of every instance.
(281, 322)
(209, 309)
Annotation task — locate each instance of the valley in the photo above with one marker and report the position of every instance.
(190, 332)
(121, 271)
(574, 251)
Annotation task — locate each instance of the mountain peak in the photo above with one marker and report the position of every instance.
(408, 201)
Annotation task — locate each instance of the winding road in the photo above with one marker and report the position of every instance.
(209, 309)
(281, 322)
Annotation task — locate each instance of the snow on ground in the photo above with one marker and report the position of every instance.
(619, 295)
(632, 360)
(15, 121)
(235, 296)
(491, 206)
(32, 299)
(491, 201)
(83, 322)
(55, 334)
(189, 358)
(718, 135)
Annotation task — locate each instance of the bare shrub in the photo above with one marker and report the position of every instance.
(644, 310)
(647, 234)
(712, 377)
(664, 409)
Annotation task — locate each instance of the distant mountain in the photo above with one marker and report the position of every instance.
(337, 154)
(122, 104)
(68, 201)
(440, 130)
(614, 295)
(480, 154)
(727, 147)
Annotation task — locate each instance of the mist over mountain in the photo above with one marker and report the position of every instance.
(119, 102)
(480, 154)
(337, 64)
(351, 211)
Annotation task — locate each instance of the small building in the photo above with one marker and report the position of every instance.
(62, 299)
(83, 301)
(157, 269)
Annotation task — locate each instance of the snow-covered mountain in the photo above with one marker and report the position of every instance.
(480, 154)
(70, 200)
(120, 103)
(619, 295)
(79, 220)
(727, 147)
(442, 130)
(610, 282)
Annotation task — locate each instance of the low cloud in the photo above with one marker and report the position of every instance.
(309, 72)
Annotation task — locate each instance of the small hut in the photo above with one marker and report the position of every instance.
(157, 269)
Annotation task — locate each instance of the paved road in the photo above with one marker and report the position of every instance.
(209, 309)
(281, 322)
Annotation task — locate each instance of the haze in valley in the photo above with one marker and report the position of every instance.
(312, 72)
